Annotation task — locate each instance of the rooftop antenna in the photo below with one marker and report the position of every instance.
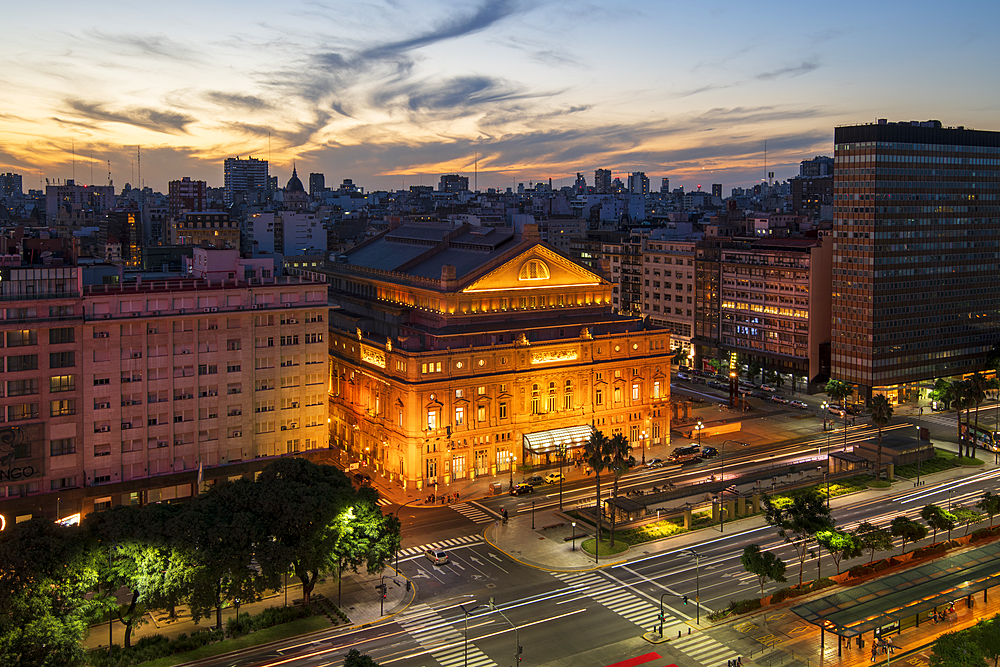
(138, 166)
(476, 186)
(111, 183)
(73, 145)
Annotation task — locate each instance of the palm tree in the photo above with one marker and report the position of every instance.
(596, 453)
(840, 392)
(619, 452)
(978, 386)
(881, 415)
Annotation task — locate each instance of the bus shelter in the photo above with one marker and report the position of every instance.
(895, 602)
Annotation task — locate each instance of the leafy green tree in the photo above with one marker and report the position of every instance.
(596, 453)
(46, 573)
(620, 463)
(368, 537)
(990, 505)
(930, 514)
(355, 658)
(840, 545)
(839, 392)
(798, 520)
(987, 635)
(966, 516)
(873, 538)
(762, 564)
(957, 649)
(881, 416)
(907, 530)
(304, 506)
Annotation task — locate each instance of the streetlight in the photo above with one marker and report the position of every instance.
(561, 447)
(513, 462)
(698, 427)
(517, 643)
(643, 436)
(722, 457)
(397, 519)
(574, 534)
(697, 587)
(467, 612)
(918, 452)
(824, 408)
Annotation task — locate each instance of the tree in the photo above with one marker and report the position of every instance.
(930, 513)
(595, 452)
(966, 516)
(990, 505)
(798, 518)
(960, 400)
(620, 463)
(46, 572)
(978, 385)
(355, 658)
(987, 635)
(873, 538)
(881, 416)
(840, 545)
(839, 392)
(908, 530)
(763, 564)
(957, 649)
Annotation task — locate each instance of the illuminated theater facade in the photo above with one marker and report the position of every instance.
(464, 352)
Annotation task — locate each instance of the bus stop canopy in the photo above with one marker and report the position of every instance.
(543, 442)
(865, 607)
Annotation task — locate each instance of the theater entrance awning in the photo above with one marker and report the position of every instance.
(544, 442)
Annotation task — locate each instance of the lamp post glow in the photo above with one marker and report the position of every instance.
(698, 428)
(643, 436)
(697, 587)
(574, 535)
(513, 462)
(467, 612)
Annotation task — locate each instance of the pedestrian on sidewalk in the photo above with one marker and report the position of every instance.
(874, 651)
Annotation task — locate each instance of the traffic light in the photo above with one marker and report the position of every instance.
(684, 599)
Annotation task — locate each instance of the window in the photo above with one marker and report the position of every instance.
(208, 369)
(62, 359)
(599, 397)
(63, 483)
(233, 344)
(550, 401)
(480, 391)
(265, 341)
(59, 383)
(22, 337)
(62, 447)
(432, 367)
(22, 387)
(314, 338)
(568, 395)
(459, 393)
(481, 413)
(618, 394)
(432, 420)
(60, 336)
(635, 392)
(656, 389)
(535, 399)
(100, 381)
(290, 340)
(23, 411)
(502, 406)
(24, 362)
(459, 415)
(233, 368)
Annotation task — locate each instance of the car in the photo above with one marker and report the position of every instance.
(717, 384)
(683, 376)
(654, 463)
(801, 405)
(768, 388)
(437, 556)
(362, 478)
(553, 477)
(779, 399)
(521, 489)
(763, 395)
(534, 480)
(709, 452)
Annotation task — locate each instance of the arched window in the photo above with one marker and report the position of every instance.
(551, 400)
(533, 269)
(535, 399)
(568, 395)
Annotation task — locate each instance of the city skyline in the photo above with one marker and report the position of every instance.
(394, 94)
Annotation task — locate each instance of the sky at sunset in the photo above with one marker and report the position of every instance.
(393, 93)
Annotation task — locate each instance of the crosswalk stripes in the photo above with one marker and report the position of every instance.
(941, 420)
(443, 544)
(443, 642)
(385, 501)
(619, 600)
(704, 649)
(471, 512)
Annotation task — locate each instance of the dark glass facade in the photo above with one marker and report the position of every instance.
(916, 285)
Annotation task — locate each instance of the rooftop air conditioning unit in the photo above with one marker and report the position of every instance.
(207, 310)
(239, 307)
(137, 355)
(151, 331)
(107, 316)
(103, 406)
(213, 310)
(178, 442)
(126, 425)
(104, 429)
(293, 425)
(237, 434)
(103, 334)
(136, 314)
(181, 311)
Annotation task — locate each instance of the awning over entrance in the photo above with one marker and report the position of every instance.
(863, 608)
(544, 442)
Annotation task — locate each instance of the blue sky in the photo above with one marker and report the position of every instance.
(393, 93)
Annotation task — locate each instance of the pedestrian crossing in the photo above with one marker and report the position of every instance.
(443, 642)
(385, 501)
(620, 600)
(704, 649)
(941, 420)
(443, 544)
(472, 512)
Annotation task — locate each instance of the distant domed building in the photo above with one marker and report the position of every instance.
(296, 198)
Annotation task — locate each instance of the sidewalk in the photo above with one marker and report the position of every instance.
(357, 598)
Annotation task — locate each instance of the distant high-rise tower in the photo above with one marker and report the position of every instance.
(453, 183)
(717, 190)
(185, 195)
(10, 185)
(818, 166)
(638, 183)
(664, 185)
(317, 183)
(243, 176)
(581, 184)
(602, 181)
(916, 291)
